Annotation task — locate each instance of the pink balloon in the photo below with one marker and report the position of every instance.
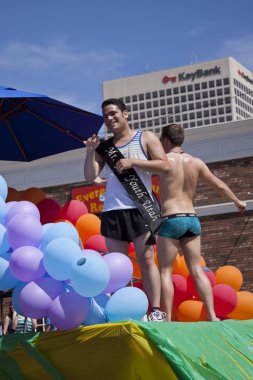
(180, 288)
(191, 288)
(72, 210)
(121, 271)
(225, 299)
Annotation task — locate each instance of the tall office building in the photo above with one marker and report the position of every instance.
(196, 95)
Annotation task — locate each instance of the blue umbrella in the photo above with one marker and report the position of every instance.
(33, 126)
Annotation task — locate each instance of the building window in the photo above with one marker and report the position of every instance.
(212, 93)
(156, 112)
(170, 110)
(176, 99)
(183, 98)
(135, 107)
(185, 125)
(190, 87)
(168, 91)
(171, 119)
(204, 94)
(129, 117)
(148, 95)
(149, 113)
(177, 109)
(154, 94)
(162, 93)
(150, 123)
(197, 95)
(169, 100)
(199, 114)
(198, 105)
(127, 99)
(175, 90)
(162, 102)
(191, 106)
(142, 115)
(197, 86)
(225, 81)
(226, 90)
(182, 89)
(155, 103)
(192, 115)
(206, 113)
(136, 116)
(228, 109)
(149, 105)
(203, 85)
(141, 97)
(178, 118)
(199, 123)
(192, 124)
(211, 83)
(207, 122)
(219, 92)
(221, 119)
(205, 103)
(213, 112)
(218, 82)
(184, 107)
(190, 97)
(134, 98)
(142, 106)
(229, 118)
(214, 120)
(220, 101)
(184, 116)
(163, 120)
(136, 125)
(163, 111)
(221, 111)
(157, 121)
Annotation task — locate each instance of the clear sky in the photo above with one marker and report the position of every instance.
(66, 48)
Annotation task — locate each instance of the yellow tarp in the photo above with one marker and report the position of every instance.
(119, 351)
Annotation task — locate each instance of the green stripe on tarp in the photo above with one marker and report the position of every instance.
(9, 369)
(205, 350)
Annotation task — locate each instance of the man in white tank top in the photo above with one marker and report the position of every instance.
(121, 220)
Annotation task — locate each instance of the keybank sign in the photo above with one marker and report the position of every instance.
(200, 73)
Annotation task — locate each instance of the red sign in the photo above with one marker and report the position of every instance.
(93, 196)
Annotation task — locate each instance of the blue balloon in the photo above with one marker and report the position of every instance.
(89, 275)
(4, 242)
(7, 280)
(3, 188)
(96, 313)
(59, 256)
(3, 210)
(58, 230)
(126, 303)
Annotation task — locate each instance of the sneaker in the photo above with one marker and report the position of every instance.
(157, 316)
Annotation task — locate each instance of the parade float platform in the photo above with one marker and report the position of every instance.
(132, 351)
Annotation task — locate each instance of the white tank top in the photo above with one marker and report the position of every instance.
(116, 197)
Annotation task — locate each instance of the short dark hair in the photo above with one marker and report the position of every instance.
(174, 133)
(116, 102)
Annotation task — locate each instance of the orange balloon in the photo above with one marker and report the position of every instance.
(33, 194)
(244, 307)
(182, 267)
(229, 275)
(136, 268)
(191, 311)
(13, 195)
(88, 225)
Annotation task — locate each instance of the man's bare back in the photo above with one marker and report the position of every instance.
(178, 187)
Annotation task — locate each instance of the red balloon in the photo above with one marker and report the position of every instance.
(180, 288)
(131, 248)
(73, 209)
(50, 210)
(97, 243)
(191, 288)
(225, 299)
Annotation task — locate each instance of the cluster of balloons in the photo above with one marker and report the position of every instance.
(226, 282)
(55, 271)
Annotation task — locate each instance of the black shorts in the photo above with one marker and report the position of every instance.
(124, 225)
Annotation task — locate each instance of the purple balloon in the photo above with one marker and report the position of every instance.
(24, 229)
(26, 264)
(68, 310)
(91, 252)
(121, 270)
(22, 207)
(36, 297)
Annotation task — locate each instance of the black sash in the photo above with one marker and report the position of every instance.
(134, 186)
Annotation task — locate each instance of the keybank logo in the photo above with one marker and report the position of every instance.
(200, 73)
(244, 76)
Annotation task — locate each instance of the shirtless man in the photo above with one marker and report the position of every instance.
(121, 221)
(181, 227)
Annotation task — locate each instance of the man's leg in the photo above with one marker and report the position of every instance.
(114, 245)
(167, 250)
(150, 273)
(191, 249)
